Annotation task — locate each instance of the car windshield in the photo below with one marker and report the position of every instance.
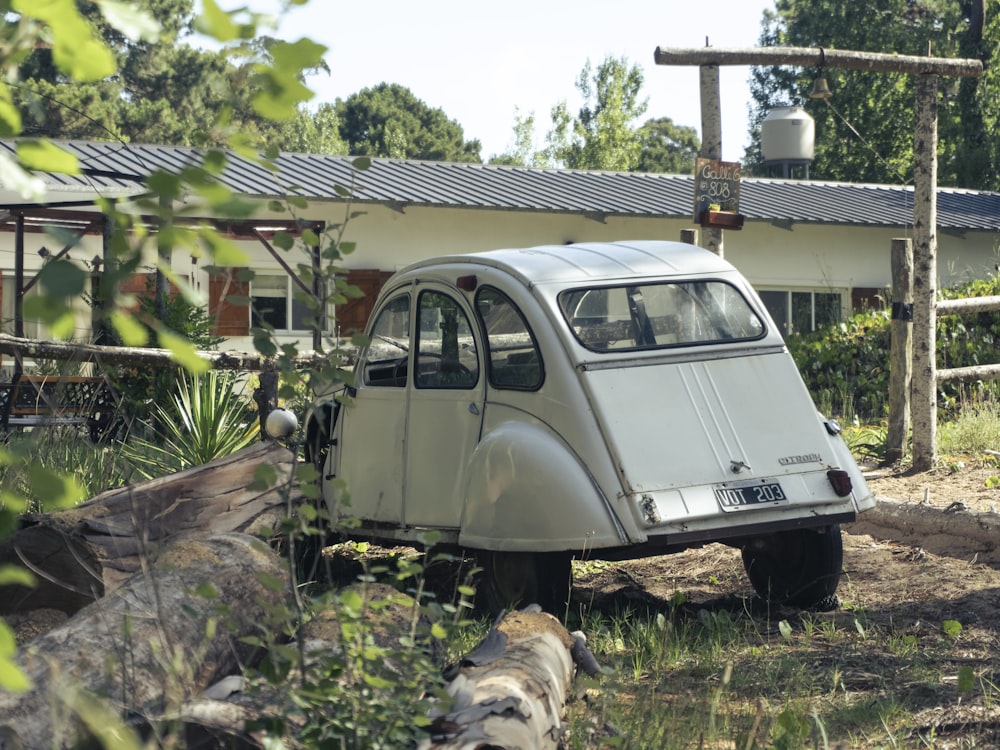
(659, 315)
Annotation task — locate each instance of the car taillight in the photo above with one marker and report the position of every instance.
(841, 482)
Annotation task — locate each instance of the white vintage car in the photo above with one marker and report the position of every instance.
(597, 400)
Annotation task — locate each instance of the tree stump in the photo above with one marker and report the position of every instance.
(161, 638)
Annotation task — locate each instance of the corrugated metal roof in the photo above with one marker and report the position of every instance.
(397, 182)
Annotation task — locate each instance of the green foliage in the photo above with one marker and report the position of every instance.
(523, 153)
(867, 442)
(973, 428)
(866, 132)
(602, 134)
(207, 418)
(12, 678)
(846, 366)
(388, 120)
(155, 87)
(57, 467)
(667, 148)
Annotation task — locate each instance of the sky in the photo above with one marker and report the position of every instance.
(482, 63)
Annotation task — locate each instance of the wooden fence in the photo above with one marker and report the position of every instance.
(902, 371)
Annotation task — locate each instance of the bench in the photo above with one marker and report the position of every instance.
(54, 400)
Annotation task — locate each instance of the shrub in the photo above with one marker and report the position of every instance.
(846, 366)
(208, 417)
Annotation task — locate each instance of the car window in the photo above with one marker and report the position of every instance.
(513, 361)
(446, 354)
(389, 345)
(650, 316)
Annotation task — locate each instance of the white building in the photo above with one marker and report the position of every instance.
(815, 250)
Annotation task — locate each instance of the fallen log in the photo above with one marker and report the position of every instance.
(161, 638)
(84, 553)
(511, 692)
(953, 531)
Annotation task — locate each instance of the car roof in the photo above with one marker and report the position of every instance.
(591, 261)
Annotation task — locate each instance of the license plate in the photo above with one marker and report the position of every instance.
(750, 494)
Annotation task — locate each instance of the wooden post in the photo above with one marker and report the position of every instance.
(108, 285)
(711, 138)
(164, 252)
(901, 350)
(924, 405)
(19, 277)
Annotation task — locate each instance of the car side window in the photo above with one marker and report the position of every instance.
(387, 360)
(446, 353)
(514, 361)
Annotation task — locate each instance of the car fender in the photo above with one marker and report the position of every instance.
(528, 491)
(862, 495)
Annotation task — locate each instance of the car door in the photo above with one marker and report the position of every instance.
(446, 404)
(370, 449)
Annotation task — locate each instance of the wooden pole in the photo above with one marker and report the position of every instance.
(901, 350)
(924, 404)
(711, 138)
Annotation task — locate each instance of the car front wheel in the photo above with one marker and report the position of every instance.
(517, 579)
(799, 567)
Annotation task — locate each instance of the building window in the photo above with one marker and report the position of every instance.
(802, 311)
(274, 302)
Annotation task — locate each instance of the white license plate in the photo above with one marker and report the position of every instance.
(750, 494)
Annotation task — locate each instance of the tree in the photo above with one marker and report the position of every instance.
(866, 132)
(602, 135)
(524, 153)
(666, 147)
(314, 132)
(388, 120)
(161, 90)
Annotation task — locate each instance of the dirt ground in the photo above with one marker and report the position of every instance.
(909, 588)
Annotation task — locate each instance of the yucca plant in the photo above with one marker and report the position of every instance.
(208, 417)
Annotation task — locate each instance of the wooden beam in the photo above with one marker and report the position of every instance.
(820, 57)
(135, 356)
(968, 305)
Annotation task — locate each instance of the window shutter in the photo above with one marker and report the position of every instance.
(864, 298)
(353, 315)
(229, 318)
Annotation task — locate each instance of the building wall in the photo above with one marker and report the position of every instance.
(807, 257)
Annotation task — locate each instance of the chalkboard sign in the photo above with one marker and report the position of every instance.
(716, 186)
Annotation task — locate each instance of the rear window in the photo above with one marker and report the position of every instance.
(652, 316)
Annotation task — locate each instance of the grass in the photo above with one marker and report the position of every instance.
(720, 679)
(976, 429)
(60, 451)
(719, 674)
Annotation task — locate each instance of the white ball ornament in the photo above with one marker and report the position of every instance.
(280, 423)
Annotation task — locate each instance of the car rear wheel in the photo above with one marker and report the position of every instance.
(799, 567)
(517, 579)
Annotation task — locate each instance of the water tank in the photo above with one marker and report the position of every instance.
(787, 136)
